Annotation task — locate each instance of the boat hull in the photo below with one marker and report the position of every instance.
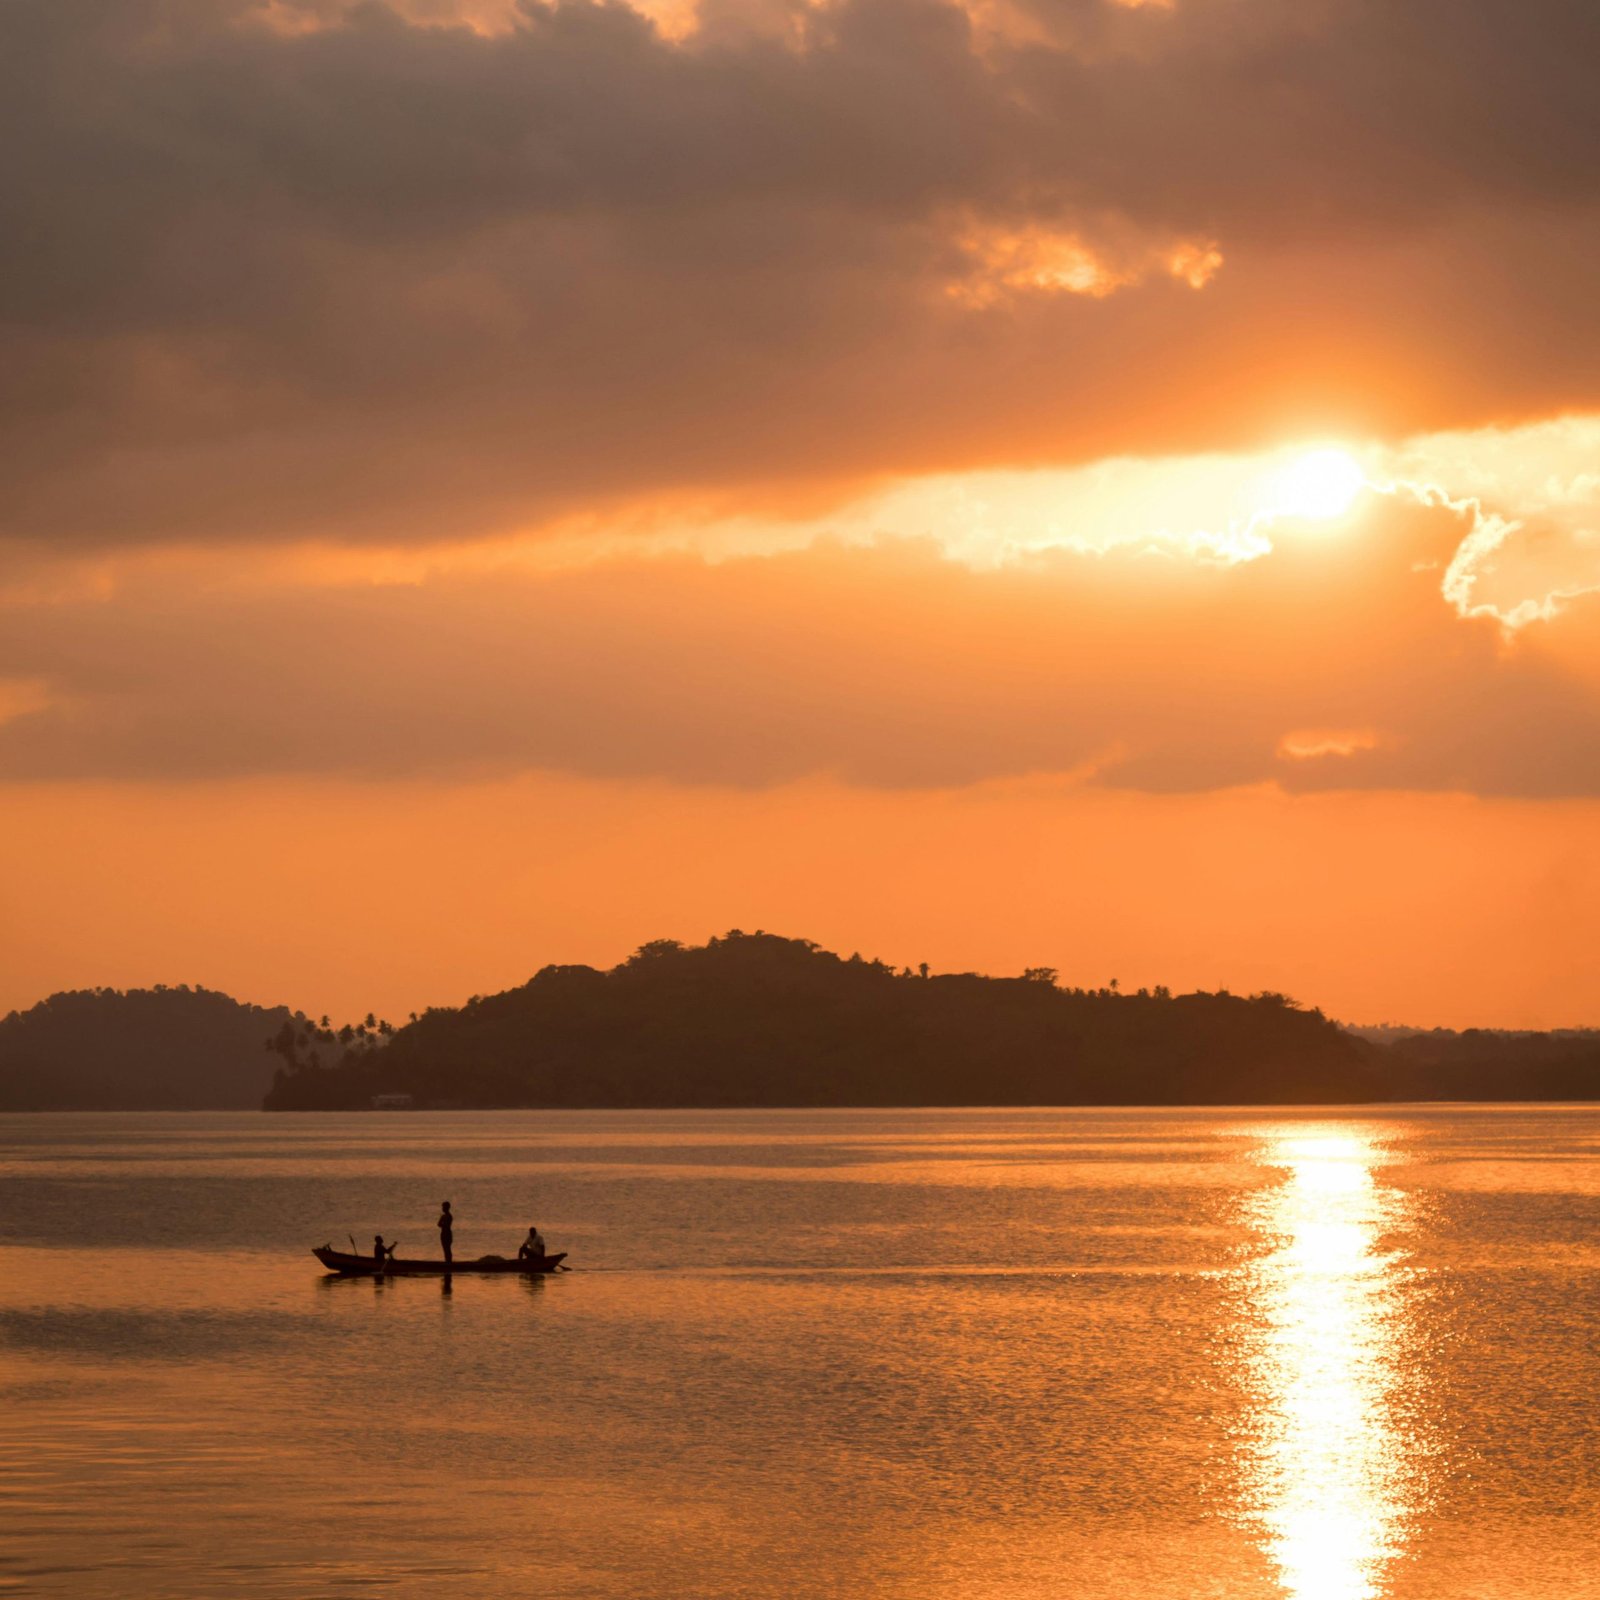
(353, 1266)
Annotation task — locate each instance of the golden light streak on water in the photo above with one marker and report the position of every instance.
(1331, 1481)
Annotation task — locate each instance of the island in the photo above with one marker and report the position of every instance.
(754, 1019)
(161, 1049)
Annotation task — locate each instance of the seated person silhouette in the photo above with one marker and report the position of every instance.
(381, 1252)
(532, 1248)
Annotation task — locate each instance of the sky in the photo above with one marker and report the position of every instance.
(1105, 485)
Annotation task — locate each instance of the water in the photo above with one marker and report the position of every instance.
(978, 1354)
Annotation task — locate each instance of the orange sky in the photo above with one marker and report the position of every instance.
(1106, 486)
(342, 898)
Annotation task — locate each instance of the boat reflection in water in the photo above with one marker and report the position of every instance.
(1330, 1486)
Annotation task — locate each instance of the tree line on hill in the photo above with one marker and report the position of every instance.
(1494, 1064)
(759, 1020)
(160, 1049)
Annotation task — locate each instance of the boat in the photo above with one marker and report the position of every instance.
(354, 1266)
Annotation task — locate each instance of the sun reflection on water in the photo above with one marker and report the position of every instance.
(1331, 1487)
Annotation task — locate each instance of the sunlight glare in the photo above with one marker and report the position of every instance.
(1332, 1475)
(1319, 485)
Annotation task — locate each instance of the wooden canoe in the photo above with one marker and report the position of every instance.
(352, 1266)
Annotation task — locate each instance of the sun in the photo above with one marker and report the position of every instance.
(1319, 485)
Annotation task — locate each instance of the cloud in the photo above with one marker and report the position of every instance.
(354, 272)
(1334, 661)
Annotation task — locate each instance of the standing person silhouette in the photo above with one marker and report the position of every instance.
(446, 1231)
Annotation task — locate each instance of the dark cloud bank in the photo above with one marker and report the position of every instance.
(375, 280)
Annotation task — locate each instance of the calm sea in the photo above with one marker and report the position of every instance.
(979, 1354)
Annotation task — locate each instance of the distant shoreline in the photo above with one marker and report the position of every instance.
(1243, 1108)
(1289, 1107)
(750, 1022)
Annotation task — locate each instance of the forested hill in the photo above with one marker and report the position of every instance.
(1493, 1064)
(756, 1020)
(142, 1049)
